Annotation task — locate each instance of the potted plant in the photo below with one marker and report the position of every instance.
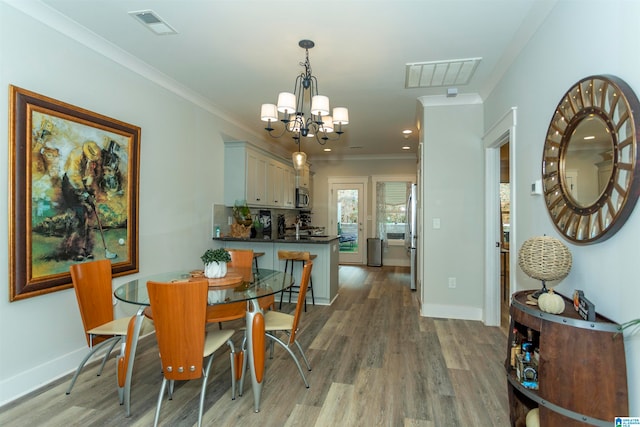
(241, 213)
(215, 263)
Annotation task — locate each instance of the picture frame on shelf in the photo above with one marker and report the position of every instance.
(73, 196)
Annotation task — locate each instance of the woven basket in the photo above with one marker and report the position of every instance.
(545, 258)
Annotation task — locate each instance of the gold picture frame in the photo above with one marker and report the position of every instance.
(73, 197)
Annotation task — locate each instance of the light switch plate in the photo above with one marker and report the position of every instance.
(536, 187)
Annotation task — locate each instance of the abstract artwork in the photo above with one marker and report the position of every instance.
(73, 193)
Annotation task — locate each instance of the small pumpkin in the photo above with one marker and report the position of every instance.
(533, 418)
(551, 302)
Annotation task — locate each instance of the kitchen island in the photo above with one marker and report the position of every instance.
(325, 266)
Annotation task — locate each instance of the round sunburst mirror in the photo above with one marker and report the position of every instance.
(590, 159)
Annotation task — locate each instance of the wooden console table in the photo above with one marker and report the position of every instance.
(582, 372)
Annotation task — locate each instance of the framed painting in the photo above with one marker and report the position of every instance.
(73, 193)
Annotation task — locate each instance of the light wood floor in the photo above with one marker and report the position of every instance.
(375, 362)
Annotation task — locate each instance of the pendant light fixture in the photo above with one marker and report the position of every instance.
(304, 113)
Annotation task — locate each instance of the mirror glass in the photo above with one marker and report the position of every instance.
(590, 159)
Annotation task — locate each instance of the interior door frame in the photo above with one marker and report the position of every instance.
(501, 132)
(362, 217)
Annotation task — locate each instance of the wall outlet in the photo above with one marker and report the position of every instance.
(452, 282)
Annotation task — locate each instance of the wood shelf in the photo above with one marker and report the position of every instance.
(581, 371)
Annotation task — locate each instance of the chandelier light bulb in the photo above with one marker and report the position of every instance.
(327, 124)
(268, 112)
(299, 160)
(286, 103)
(320, 105)
(340, 116)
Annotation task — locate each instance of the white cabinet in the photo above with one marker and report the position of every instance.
(303, 177)
(256, 184)
(261, 180)
(289, 188)
(275, 180)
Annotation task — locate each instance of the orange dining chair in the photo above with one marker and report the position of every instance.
(276, 322)
(92, 284)
(241, 262)
(179, 315)
(244, 259)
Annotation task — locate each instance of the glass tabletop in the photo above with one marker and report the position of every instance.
(261, 284)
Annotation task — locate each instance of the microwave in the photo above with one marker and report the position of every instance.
(303, 199)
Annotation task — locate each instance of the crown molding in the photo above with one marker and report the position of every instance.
(446, 101)
(363, 157)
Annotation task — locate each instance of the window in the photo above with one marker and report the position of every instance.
(391, 210)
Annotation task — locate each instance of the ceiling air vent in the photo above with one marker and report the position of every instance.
(153, 22)
(455, 72)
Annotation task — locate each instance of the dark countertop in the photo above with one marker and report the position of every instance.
(292, 239)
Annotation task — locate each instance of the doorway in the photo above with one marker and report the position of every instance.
(346, 218)
(501, 133)
(505, 228)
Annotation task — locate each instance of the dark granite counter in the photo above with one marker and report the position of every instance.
(288, 239)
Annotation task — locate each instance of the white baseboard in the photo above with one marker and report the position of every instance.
(17, 386)
(45, 373)
(451, 311)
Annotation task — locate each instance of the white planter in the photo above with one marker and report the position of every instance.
(215, 270)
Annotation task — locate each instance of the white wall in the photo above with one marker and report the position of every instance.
(452, 193)
(556, 58)
(181, 156)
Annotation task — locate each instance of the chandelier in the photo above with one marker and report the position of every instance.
(304, 112)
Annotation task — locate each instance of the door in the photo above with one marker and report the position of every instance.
(347, 219)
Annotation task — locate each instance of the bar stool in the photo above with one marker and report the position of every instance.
(257, 255)
(302, 257)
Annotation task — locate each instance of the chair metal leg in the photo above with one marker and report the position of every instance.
(255, 347)
(106, 356)
(244, 365)
(203, 390)
(304, 356)
(159, 404)
(232, 355)
(293, 356)
(111, 341)
(139, 319)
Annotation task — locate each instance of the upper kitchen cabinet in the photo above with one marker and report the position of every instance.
(275, 179)
(289, 188)
(256, 174)
(303, 178)
(258, 178)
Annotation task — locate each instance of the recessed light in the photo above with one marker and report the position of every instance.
(407, 131)
(406, 147)
(327, 149)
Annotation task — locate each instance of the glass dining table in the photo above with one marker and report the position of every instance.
(240, 285)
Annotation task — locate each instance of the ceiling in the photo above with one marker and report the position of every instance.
(235, 55)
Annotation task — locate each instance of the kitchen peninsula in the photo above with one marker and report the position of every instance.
(325, 266)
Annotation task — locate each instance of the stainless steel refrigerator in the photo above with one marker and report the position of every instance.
(411, 234)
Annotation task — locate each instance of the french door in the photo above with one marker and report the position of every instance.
(346, 217)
